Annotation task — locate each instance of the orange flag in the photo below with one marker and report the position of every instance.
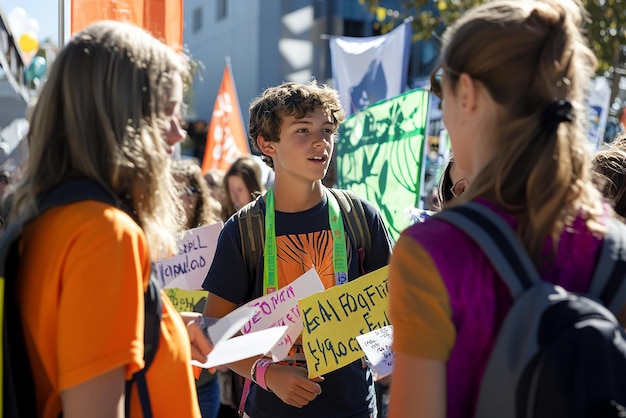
(226, 138)
(162, 18)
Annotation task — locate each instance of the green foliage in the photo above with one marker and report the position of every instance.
(606, 26)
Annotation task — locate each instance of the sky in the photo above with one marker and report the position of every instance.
(45, 12)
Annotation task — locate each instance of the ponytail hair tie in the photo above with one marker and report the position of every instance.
(557, 112)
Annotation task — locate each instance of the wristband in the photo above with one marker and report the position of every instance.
(258, 371)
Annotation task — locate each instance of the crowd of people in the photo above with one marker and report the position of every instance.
(511, 78)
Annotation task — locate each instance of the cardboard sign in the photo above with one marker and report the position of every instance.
(187, 269)
(280, 308)
(186, 300)
(333, 318)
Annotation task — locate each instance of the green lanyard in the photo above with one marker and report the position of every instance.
(270, 263)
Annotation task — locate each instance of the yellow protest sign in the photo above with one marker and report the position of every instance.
(333, 318)
(187, 300)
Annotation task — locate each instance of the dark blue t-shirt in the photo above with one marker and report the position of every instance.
(347, 392)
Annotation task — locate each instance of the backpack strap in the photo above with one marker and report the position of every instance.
(17, 383)
(354, 214)
(498, 241)
(151, 334)
(251, 221)
(608, 282)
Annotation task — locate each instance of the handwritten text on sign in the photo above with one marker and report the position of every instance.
(280, 308)
(377, 348)
(186, 300)
(332, 319)
(189, 267)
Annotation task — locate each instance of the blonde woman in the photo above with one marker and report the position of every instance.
(109, 112)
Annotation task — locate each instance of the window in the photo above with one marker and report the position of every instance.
(196, 20)
(222, 9)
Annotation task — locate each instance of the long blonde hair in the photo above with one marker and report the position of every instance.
(100, 116)
(532, 58)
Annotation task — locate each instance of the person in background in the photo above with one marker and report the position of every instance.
(294, 126)
(452, 184)
(214, 179)
(609, 164)
(242, 184)
(201, 208)
(109, 112)
(513, 80)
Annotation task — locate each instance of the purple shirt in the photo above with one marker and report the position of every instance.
(479, 299)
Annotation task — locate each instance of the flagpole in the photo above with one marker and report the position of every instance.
(61, 23)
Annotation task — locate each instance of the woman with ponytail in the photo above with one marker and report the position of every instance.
(512, 78)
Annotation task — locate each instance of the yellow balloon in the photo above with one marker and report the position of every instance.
(28, 42)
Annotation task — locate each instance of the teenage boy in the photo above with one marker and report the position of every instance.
(294, 127)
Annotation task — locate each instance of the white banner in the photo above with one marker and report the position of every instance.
(367, 70)
(598, 98)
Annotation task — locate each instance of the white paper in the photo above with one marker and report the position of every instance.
(187, 269)
(242, 347)
(231, 324)
(280, 308)
(270, 324)
(377, 348)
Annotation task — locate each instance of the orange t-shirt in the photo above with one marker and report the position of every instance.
(83, 270)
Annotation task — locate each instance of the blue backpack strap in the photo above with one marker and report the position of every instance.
(609, 280)
(498, 241)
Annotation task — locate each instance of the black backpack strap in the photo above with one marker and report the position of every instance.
(151, 335)
(75, 191)
(609, 280)
(18, 386)
(355, 219)
(498, 241)
(251, 222)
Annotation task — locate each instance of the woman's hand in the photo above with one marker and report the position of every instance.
(200, 344)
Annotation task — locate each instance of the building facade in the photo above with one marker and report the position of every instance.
(271, 41)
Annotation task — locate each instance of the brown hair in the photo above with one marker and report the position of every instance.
(530, 55)
(99, 116)
(609, 165)
(207, 209)
(249, 171)
(289, 99)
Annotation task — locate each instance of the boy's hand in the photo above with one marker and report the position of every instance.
(291, 384)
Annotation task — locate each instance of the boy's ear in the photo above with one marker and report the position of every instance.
(266, 147)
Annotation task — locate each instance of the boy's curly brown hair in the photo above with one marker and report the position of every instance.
(289, 99)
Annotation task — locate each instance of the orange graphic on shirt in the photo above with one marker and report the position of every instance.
(298, 253)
